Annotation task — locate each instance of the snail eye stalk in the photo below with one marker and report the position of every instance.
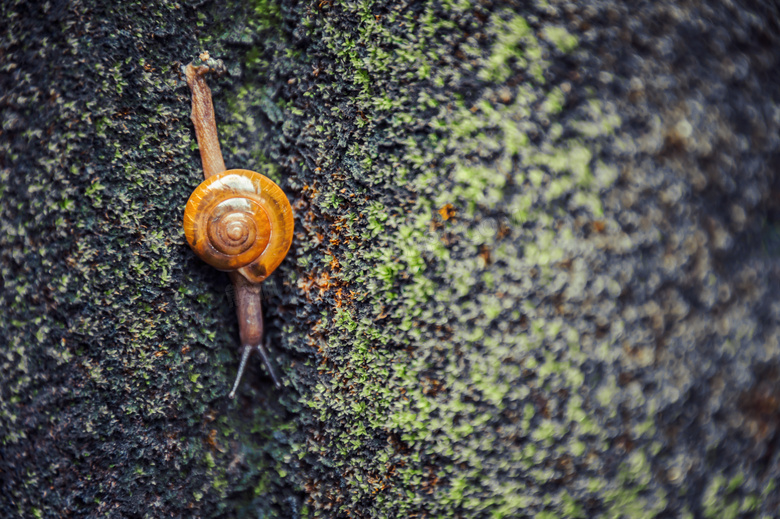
(241, 367)
(245, 354)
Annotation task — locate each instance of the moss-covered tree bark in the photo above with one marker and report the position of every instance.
(535, 268)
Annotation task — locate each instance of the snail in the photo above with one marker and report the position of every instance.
(237, 221)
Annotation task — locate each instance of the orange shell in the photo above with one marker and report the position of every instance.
(239, 220)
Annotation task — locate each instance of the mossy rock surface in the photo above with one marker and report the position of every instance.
(535, 267)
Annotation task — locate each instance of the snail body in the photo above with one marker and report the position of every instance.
(237, 221)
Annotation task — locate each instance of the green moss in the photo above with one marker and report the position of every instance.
(561, 38)
(436, 399)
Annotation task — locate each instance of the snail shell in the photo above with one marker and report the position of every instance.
(239, 220)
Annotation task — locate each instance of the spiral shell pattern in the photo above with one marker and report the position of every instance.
(239, 220)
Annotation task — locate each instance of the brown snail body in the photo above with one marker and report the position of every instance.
(237, 221)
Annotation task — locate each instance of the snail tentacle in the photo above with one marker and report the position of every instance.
(268, 365)
(245, 354)
(247, 351)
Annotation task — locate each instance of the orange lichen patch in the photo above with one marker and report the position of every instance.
(316, 338)
(599, 226)
(340, 232)
(324, 282)
(447, 212)
(431, 480)
(314, 280)
(503, 231)
(339, 299)
(381, 482)
(305, 285)
(300, 204)
(211, 441)
(313, 190)
(484, 253)
(431, 386)
(435, 225)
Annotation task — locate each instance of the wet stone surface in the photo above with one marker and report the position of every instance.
(534, 273)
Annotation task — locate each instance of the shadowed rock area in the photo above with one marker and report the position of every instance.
(534, 272)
